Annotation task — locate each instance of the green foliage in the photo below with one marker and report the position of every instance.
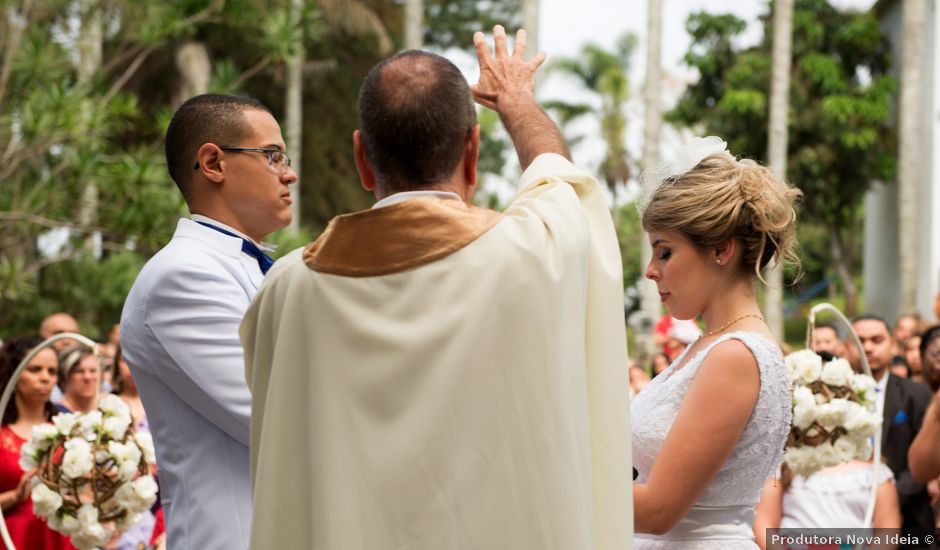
(840, 139)
(62, 135)
(450, 24)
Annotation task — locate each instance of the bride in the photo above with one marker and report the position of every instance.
(711, 428)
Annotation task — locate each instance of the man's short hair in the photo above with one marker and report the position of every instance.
(831, 326)
(873, 317)
(415, 113)
(206, 118)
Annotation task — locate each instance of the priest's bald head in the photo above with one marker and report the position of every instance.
(418, 127)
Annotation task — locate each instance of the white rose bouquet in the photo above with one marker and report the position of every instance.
(834, 413)
(92, 472)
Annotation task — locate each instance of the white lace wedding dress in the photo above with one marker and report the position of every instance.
(722, 517)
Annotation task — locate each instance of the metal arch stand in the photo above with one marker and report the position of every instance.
(8, 393)
(870, 510)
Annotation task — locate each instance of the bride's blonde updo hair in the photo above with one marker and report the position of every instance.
(721, 199)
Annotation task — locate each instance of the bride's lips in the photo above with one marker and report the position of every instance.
(663, 296)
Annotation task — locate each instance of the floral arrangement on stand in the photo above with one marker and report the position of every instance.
(834, 413)
(92, 472)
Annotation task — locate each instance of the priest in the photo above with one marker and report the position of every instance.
(429, 374)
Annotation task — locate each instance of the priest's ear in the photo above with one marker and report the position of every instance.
(366, 175)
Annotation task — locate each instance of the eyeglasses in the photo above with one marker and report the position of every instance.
(278, 161)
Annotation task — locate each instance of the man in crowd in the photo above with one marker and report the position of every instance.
(826, 339)
(903, 404)
(57, 323)
(429, 374)
(179, 329)
(906, 327)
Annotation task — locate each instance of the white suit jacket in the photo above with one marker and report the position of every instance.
(179, 334)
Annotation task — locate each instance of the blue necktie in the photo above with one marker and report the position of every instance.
(264, 261)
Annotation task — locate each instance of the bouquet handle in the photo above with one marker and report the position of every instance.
(8, 393)
(870, 510)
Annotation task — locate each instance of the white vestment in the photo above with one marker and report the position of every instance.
(429, 375)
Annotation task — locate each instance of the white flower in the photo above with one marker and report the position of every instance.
(127, 456)
(860, 422)
(802, 460)
(138, 495)
(864, 448)
(112, 405)
(87, 515)
(803, 396)
(145, 441)
(29, 457)
(92, 534)
(804, 414)
(90, 423)
(66, 524)
(833, 413)
(828, 455)
(804, 366)
(78, 459)
(43, 435)
(837, 372)
(64, 422)
(116, 426)
(846, 449)
(863, 385)
(695, 152)
(45, 501)
(146, 489)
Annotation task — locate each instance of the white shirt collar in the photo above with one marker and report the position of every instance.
(408, 195)
(265, 247)
(880, 387)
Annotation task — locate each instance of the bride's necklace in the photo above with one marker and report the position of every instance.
(729, 323)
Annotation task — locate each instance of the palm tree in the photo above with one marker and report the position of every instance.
(777, 143)
(910, 152)
(605, 74)
(652, 122)
(414, 24)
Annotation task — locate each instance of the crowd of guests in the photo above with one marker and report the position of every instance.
(66, 376)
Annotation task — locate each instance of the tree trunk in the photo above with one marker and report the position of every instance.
(842, 259)
(530, 22)
(195, 69)
(414, 24)
(87, 64)
(652, 122)
(910, 151)
(777, 145)
(294, 110)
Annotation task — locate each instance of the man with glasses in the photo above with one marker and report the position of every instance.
(433, 375)
(179, 328)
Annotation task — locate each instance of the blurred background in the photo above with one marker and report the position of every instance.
(847, 110)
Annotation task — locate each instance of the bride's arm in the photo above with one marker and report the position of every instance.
(708, 426)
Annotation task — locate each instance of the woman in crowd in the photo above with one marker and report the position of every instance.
(833, 497)
(710, 429)
(930, 357)
(28, 407)
(912, 356)
(660, 363)
(79, 378)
